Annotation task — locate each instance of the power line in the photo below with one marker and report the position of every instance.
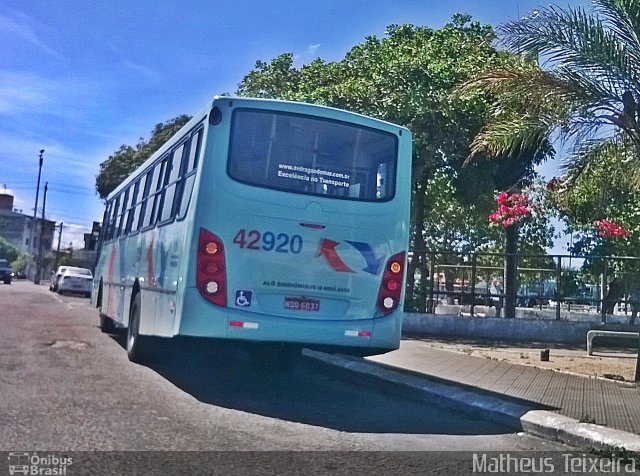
(63, 189)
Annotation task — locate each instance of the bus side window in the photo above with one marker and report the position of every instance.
(105, 220)
(152, 199)
(189, 175)
(138, 214)
(104, 233)
(123, 214)
(132, 206)
(173, 174)
(113, 219)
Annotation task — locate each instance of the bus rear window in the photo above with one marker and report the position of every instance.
(313, 156)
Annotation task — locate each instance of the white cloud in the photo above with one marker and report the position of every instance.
(18, 26)
(143, 70)
(21, 91)
(72, 234)
(313, 49)
(26, 92)
(24, 152)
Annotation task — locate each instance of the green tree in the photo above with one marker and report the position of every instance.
(8, 251)
(603, 188)
(586, 90)
(277, 79)
(127, 158)
(20, 263)
(408, 78)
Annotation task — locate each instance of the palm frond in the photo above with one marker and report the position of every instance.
(591, 154)
(575, 38)
(622, 17)
(526, 87)
(511, 135)
(578, 105)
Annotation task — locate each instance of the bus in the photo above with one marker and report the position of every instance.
(261, 221)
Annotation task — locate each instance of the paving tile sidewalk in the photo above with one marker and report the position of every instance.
(593, 400)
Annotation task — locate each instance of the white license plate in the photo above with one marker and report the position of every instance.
(301, 304)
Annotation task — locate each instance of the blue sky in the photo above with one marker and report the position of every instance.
(80, 78)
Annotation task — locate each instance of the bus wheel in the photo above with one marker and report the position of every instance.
(136, 344)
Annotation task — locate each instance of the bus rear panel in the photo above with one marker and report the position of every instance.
(301, 229)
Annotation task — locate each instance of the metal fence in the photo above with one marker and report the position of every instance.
(554, 286)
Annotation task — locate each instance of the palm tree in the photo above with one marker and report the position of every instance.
(578, 75)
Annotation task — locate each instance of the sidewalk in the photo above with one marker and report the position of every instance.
(592, 400)
(582, 411)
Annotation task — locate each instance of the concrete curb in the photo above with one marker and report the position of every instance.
(543, 423)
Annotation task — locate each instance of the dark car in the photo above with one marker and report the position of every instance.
(6, 273)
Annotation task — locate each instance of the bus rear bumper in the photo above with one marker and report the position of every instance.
(355, 336)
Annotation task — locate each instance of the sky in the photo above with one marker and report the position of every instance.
(80, 78)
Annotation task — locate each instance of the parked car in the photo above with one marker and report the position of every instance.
(536, 293)
(6, 273)
(75, 280)
(53, 280)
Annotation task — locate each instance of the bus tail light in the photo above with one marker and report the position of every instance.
(391, 285)
(211, 272)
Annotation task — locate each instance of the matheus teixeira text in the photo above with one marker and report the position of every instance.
(570, 463)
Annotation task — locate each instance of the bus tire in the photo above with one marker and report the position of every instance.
(137, 345)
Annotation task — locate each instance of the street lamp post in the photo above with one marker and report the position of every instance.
(35, 211)
(39, 263)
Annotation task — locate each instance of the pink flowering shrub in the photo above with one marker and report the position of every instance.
(609, 229)
(512, 208)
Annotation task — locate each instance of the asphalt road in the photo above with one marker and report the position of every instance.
(65, 386)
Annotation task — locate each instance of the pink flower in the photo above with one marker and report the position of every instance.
(512, 207)
(609, 229)
(502, 198)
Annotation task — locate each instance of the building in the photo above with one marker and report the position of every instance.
(86, 258)
(15, 227)
(91, 239)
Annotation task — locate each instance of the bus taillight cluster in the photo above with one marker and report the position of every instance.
(211, 274)
(391, 286)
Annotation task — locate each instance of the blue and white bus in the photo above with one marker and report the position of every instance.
(263, 221)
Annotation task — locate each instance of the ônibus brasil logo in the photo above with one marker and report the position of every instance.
(32, 463)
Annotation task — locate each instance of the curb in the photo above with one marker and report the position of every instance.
(542, 423)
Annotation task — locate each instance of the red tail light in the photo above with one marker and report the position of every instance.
(391, 285)
(211, 272)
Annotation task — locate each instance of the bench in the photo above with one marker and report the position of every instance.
(597, 333)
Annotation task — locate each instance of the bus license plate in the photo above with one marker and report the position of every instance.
(301, 304)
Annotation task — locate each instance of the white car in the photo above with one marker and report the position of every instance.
(75, 280)
(53, 280)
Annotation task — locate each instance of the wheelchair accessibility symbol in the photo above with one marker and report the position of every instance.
(243, 298)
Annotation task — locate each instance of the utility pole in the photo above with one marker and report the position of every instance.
(39, 263)
(35, 211)
(58, 250)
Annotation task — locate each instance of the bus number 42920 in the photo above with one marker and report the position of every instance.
(268, 241)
